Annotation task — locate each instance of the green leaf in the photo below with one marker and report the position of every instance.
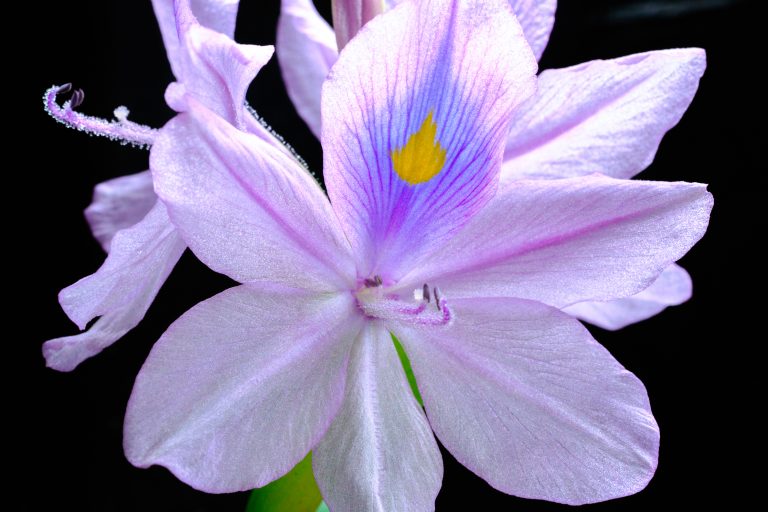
(407, 367)
(295, 492)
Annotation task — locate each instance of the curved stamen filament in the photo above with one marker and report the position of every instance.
(121, 129)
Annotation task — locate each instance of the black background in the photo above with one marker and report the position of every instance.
(690, 357)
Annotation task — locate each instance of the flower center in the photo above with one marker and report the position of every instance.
(426, 306)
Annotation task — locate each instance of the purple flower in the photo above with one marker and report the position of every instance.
(600, 116)
(417, 242)
(125, 217)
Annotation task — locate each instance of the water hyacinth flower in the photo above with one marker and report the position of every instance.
(416, 241)
(125, 217)
(600, 116)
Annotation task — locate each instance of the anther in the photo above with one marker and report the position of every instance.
(425, 292)
(77, 99)
(373, 282)
(436, 291)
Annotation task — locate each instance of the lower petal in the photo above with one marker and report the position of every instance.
(242, 386)
(673, 287)
(523, 396)
(120, 292)
(118, 204)
(379, 454)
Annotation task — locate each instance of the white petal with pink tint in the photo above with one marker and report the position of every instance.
(673, 287)
(605, 116)
(306, 50)
(118, 204)
(120, 292)
(570, 240)
(523, 396)
(379, 454)
(245, 208)
(218, 15)
(242, 386)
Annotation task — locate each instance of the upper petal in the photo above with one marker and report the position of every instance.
(523, 396)
(215, 70)
(570, 240)
(605, 116)
(242, 386)
(536, 17)
(673, 287)
(415, 113)
(306, 50)
(120, 292)
(119, 203)
(349, 16)
(379, 455)
(244, 207)
(218, 15)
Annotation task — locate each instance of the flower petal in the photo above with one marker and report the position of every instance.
(379, 453)
(215, 70)
(523, 396)
(673, 287)
(536, 17)
(414, 115)
(602, 116)
(118, 204)
(218, 15)
(349, 16)
(245, 208)
(306, 50)
(571, 240)
(120, 292)
(242, 386)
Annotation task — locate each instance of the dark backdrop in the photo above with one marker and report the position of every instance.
(690, 357)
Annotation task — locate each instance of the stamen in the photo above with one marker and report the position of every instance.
(437, 297)
(122, 130)
(270, 132)
(389, 307)
(77, 99)
(373, 282)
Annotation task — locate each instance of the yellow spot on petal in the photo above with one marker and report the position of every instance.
(422, 157)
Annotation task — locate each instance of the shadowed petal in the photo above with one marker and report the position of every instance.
(218, 15)
(120, 292)
(245, 208)
(605, 116)
(242, 386)
(415, 114)
(306, 50)
(570, 240)
(523, 396)
(673, 287)
(379, 454)
(118, 204)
